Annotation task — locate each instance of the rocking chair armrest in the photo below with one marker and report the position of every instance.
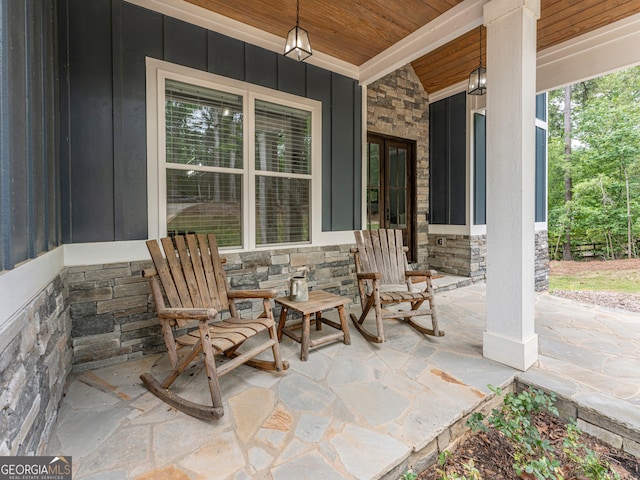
(419, 273)
(419, 276)
(149, 272)
(369, 276)
(252, 293)
(201, 314)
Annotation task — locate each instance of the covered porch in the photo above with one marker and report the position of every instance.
(83, 186)
(359, 411)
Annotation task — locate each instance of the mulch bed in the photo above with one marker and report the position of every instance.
(492, 453)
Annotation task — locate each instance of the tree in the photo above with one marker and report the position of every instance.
(604, 168)
(568, 184)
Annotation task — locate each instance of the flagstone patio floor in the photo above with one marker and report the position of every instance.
(359, 411)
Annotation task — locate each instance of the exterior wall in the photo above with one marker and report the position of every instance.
(112, 319)
(112, 311)
(34, 365)
(459, 255)
(542, 260)
(29, 159)
(103, 48)
(467, 256)
(398, 105)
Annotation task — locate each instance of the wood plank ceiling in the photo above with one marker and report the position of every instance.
(357, 30)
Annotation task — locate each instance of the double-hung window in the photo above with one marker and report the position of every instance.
(237, 162)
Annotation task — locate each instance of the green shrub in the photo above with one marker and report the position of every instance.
(533, 454)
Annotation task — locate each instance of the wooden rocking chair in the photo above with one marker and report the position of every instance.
(195, 286)
(382, 271)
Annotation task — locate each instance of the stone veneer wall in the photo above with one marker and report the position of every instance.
(542, 260)
(112, 311)
(461, 255)
(398, 105)
(34, 366)
(467, 256)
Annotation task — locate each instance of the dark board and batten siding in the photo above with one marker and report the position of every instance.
(447, 161)
(104, 156)
(29, 168)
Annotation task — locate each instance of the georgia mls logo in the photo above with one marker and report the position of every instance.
(35, 468)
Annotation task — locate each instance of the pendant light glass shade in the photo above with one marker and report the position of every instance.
(478, 81)
(297, 45)
(478, 78)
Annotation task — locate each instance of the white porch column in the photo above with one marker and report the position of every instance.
(511, 90)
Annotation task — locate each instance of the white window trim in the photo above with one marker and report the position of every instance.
(474, 229)
(477, 104)
(471, 105)
(539, 226)
(157, 72)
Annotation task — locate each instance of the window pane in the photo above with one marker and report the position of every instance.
(283, 139)
(203, 126)
(282, 210)
(541, 174)
(205, 202)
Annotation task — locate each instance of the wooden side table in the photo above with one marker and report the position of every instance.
(318, 302)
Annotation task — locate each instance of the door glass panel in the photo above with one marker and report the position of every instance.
(374, 165)
(373, 187)
(393, 167)
(397, 187)
(402, 209)
(402, 167)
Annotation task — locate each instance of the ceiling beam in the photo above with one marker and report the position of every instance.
(447, 27)
(591, 55)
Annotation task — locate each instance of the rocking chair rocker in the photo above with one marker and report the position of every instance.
(381, 270)
(195, 286)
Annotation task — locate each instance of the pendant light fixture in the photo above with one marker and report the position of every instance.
(478, 78)
(297, 46)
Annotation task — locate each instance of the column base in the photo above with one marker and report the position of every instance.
(514, 353)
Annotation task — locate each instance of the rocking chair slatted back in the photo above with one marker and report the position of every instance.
(382, 251)
(189, 278)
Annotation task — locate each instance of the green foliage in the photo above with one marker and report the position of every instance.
(584, 461)
(409, 475)
(605, 159)
(533, 454)
(469, 468)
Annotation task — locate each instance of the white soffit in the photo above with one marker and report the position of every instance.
(591, 55)
(209, 20)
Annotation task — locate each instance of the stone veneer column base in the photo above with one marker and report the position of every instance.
(511, 352)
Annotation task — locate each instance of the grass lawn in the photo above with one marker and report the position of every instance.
(626, 281)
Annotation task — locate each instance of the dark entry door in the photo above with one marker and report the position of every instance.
(390, 186)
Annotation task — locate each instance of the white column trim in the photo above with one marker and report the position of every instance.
(509, 351)
(511, 62)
